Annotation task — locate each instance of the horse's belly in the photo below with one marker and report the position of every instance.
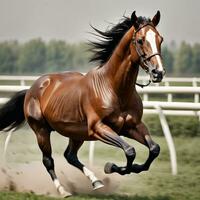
(74, 130)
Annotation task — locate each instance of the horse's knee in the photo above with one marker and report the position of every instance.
(130, 152)
(155, 150)
(48, 163)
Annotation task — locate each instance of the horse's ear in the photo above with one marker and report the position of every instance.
(134, 20)
(156, 18)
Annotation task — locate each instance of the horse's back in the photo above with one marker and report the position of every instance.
(50, 81)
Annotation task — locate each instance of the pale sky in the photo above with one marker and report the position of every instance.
(70, 19)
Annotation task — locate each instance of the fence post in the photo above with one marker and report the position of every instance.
(91, 152)
(194, 84)
(22, 82)
(169, 95)
(6, 144)
(168, 136)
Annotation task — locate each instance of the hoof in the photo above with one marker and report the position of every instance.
(97, 185)
(64, 193)
(110, 168)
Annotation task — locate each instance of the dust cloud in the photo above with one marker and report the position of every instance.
(32, 177)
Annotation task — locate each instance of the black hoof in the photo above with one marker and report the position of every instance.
(110, 168)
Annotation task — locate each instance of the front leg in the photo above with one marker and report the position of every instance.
(142, 135)
(105, 134)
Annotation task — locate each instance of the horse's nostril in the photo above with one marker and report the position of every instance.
(157, 75)
(155, 71)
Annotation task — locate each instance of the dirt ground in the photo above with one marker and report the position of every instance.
(32, 177)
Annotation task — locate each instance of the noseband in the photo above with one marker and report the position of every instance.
(144, 58)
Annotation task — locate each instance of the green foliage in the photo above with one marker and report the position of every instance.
(57, 55)
(37, 56)
(32, 57)
(61, 56)
(18, 196)
(168, 59)
(179, 126)
(196, 58)
(9, 52)
(183, 61)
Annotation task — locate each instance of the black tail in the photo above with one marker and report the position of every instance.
(12, 113)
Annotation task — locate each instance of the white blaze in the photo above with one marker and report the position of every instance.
(151, 38)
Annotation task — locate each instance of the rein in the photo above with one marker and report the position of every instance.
(143, 85)
(143, 57)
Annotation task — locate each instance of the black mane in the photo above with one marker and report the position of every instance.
(108, 40)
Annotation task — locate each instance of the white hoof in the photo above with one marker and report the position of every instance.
(97, 185)
(63, 193)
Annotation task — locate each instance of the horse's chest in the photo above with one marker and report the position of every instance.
(125, 118)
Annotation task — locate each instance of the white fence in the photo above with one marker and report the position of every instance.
(161, 108)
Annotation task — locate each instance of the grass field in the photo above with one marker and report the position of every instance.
(156, 184)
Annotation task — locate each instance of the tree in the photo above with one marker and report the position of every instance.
(62, 56)
(196, 59)
(82, 56)
(168, 60)
(56, 56)
(9, 52)
(32, 57)
(183, 62)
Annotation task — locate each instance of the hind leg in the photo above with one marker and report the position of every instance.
(71, 156)
(42, 130)
(43, 139)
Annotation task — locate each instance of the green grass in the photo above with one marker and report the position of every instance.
(156, 184)
(27, 196)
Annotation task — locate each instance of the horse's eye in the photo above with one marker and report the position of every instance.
(140, 41)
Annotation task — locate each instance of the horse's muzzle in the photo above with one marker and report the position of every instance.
(157, 75)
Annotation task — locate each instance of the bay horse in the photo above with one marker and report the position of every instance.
(101, 105)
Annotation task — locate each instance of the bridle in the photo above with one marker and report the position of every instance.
(144, 59)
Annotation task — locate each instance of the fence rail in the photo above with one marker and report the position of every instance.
(140, 78)
(161, 108)
(169, 80)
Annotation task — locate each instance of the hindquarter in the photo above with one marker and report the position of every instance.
(57, 100)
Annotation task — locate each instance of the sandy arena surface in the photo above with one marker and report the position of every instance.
(32, 177)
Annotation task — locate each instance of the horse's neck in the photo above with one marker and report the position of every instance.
(121, 69)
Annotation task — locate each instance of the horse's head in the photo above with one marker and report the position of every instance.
(147, 43)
